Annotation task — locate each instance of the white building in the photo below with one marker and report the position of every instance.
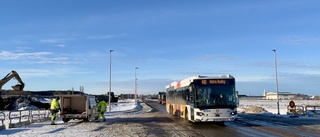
(282, 95)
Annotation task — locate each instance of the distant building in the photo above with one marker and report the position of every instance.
(126, 96)
(282, 95)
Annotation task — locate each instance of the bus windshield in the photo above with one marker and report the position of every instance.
(216, 96)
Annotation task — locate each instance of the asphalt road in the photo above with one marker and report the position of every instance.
(250, 125)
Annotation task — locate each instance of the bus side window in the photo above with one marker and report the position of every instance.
(186, 94)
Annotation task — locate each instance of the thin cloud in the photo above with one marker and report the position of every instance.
(210, 57)
(285, 64)
(299, 40)
(48, 41)
(263, 64)
(304, 65)
(6, 55)
(254, 78)
(55, 40)
(58, 72)
(107, 36)
(61, 45)
(36, 57)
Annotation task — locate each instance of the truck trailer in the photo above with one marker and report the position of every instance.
(78, 107)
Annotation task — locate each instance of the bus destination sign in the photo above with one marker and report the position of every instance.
(213, 81)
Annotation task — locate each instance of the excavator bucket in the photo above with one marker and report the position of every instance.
(18, 87)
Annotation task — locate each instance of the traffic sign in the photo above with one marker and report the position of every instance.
(292, 104)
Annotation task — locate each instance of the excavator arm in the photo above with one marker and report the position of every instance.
(8, 77)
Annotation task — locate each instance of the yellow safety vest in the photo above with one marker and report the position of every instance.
(102, 105)
(54, 104)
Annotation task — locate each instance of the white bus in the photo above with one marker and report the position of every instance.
(203, 99)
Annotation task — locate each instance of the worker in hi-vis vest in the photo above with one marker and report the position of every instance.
(54, 109)
(102, 105)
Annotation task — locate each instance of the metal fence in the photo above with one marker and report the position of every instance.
(18, 118)
(309, 110)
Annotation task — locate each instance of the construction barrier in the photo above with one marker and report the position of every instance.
(309, 110)
(39, 115)
(313, 110)
(2, 118)
(296, 110)
(24, 117)
(18, 118)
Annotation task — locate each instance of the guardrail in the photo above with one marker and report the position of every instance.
(309, 110)
(313, 110)
(18, 118)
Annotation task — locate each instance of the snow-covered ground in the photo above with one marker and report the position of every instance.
(120, 109)
(124, 108)
(270, 106)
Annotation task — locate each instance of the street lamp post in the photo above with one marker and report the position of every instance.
(135, 84)
(110, 84)
(276, 73)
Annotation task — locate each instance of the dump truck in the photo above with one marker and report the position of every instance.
(78, 107)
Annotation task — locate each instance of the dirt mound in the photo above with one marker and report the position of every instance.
(25, 102)
(255, 109)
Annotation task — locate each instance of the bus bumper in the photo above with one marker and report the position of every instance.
(216, 119)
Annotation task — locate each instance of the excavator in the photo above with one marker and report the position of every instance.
(9, 76)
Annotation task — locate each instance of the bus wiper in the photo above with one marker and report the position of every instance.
(203, 107)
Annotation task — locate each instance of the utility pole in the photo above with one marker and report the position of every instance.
(135, 84)
(110, 84)
(276, 73)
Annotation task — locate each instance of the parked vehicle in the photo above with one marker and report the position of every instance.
(78, 107)
(162, 97)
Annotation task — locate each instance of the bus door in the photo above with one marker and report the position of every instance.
(192, 110)
(192, 100)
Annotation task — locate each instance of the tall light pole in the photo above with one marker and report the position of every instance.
(135, 84)
(276, 73)
(110, 84)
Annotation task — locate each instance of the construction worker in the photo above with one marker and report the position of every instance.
(54, 109)
(102, 105)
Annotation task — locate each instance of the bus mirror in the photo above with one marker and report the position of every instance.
(191, 98)
(191, 87)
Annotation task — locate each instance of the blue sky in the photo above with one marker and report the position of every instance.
(64, 44)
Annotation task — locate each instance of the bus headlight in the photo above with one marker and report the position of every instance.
(200, 113)
(234, 113)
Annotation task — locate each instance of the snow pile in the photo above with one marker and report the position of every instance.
(138, 106)
(41, 99)
(127, 105)
(254, 109)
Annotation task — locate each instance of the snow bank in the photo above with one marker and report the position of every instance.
(270, 106)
